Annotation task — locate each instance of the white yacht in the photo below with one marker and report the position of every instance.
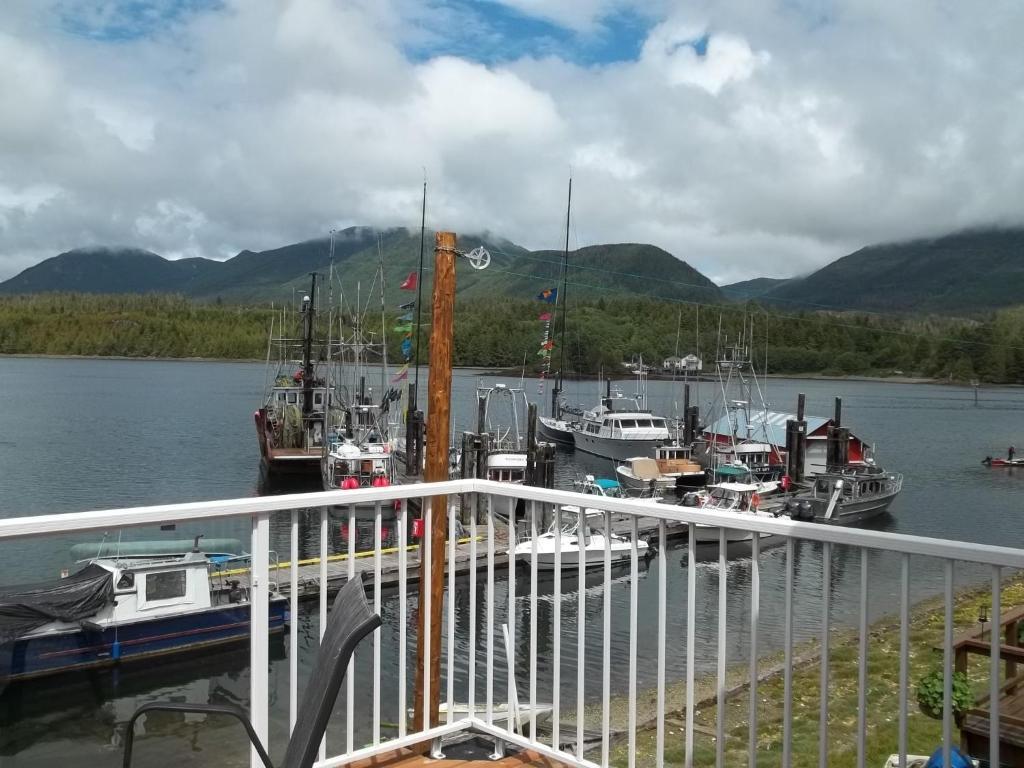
(621, 427)
(568, 537)
(740, 499)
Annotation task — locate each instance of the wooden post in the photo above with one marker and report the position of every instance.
(439, 399)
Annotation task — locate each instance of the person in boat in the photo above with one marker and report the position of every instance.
(1010, 452)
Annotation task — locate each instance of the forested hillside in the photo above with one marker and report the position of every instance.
(502, 332)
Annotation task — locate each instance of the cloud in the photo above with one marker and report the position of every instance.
(747, 138)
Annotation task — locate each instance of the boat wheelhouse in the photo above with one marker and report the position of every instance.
(741, 499)
(848, 495)
(118, 610)
(503, 413)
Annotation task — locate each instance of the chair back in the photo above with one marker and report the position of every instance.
(349, 621)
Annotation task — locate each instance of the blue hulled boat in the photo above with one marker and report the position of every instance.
(119, 610)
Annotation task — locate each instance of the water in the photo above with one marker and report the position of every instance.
(93, 434)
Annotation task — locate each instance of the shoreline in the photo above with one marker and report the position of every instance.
(516, 373)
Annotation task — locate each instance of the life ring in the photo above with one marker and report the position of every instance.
(755, 501)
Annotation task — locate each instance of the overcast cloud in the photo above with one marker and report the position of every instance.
(761, 137)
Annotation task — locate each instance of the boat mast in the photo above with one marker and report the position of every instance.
(419, 297)
(557, 390)
(307, 349)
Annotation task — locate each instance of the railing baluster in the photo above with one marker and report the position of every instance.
(634, 586)
(723, 579)
(403, 539)
(510, 652)
(259, 631)
(581, 612)
(377, 531)
(452, 539)
(491, 530)
(350, 676)
(787, 696)
(606, 641)
(293, 634)
(473, 502)
(995, 640)
(533, 621)
(904, 654)
(755, 617)
(325, 538)
(947, 668)
(826, 596)
(862, 663)
(427, 558)
(662, 621)
(691, 635)
(556, 633)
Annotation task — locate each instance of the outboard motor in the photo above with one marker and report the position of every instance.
(691, 499)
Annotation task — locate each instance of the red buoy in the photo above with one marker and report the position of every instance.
(349, 483)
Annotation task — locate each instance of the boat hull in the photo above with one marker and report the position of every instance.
(93, 647)
(619, 450)
(857, 512)
(555, 431)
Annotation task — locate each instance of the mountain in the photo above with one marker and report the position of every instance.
(110, 270)
(275, 275)
(752, 289)
(969, 271)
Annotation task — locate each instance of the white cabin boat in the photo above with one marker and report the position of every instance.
(740, 499)
(568, 539)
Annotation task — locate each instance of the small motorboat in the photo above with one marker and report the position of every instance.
(740, 499)
(121, 609)
(568, 539)
(988, 461)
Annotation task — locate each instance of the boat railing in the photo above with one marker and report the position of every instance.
(817, 587)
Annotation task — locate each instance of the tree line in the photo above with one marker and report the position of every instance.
(507, 333)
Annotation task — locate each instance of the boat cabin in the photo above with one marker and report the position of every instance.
(857, 483)
(507, 467)
(634, 425)
(733, 497)
(601, 486)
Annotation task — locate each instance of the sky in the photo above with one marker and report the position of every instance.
(749, 138)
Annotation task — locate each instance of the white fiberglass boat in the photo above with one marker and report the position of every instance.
(594, 543)
(739, 499)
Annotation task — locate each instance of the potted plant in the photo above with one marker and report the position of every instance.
(930, 694)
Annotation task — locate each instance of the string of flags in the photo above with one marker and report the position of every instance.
(548, 296)
(405, 328)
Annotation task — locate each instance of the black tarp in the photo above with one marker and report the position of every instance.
(25, 607)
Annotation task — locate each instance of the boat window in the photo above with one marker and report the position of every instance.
(658, 423)
(292, 397)
(280, 396)
(627, 423)
(643, 423)
(318, 398)
(165, 586)
(607, 422)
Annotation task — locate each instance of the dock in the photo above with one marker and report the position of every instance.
(364, 562)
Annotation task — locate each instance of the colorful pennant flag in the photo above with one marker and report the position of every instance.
(407, 328)
(406, 348)
(406, 318)
(402, 374)
(409, 284)
(548, 344)
(543, 352)
(545, 317)
(408, 305)
(549, 295)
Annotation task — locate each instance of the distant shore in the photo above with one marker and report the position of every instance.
(517, 372)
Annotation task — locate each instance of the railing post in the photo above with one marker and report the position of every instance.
(259, 632)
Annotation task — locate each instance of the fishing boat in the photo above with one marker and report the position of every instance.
(595, 543)
(848, 495)
(502, 416)
(556, 429)
(621, 426)
(122, 609)
(300, 406)
(671, 469)
(359, 454)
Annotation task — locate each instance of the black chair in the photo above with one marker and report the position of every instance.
(349, 621)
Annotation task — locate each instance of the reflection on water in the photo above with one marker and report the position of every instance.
(191, 448)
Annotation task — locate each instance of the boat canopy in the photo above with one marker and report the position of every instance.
(737, 487)
(606, 484)
(730, 471)
(646, 469)
(28, 606)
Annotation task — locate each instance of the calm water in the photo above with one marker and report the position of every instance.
(84, 434)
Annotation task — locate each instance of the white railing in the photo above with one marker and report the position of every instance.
(480, 676)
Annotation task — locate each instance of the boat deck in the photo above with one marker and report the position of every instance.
(309, 575)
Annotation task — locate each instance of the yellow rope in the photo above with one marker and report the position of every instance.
(335, 558)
